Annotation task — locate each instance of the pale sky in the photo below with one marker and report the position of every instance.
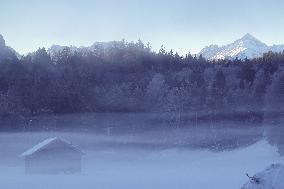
(183, 25)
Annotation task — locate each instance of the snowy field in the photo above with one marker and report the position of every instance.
(110, 166)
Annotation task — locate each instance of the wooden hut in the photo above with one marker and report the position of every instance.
(53, 156)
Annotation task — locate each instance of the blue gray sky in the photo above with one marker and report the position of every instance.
(183, 25)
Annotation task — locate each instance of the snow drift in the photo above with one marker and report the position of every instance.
(270, 178)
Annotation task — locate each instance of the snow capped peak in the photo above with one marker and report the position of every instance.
(248, 37)
(249, 41)
(246, 47)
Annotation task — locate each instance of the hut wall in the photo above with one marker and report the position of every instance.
(53, 160)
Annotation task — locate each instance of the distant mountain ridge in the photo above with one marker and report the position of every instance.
(102, 46)
(246, 47)
(7, 53)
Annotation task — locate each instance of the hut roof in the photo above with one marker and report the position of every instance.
(44, 144)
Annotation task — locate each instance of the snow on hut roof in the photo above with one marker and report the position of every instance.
(46, 143)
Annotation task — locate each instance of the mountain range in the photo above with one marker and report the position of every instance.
(245, 47)
(54, 49)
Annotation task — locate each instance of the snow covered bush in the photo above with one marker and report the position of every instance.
(271, 178)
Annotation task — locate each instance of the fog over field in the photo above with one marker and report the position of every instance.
(194, 157)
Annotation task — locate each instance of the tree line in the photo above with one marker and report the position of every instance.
(130, 77)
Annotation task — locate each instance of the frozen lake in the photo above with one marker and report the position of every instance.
(140, 161)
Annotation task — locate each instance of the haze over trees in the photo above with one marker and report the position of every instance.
(129, 77)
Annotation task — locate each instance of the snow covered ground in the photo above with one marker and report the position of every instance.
(140, 168)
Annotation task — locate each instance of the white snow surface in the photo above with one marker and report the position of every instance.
(270, 178)
(246, 47)
(155, 169)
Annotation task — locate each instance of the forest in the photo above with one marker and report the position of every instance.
(123, 76)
